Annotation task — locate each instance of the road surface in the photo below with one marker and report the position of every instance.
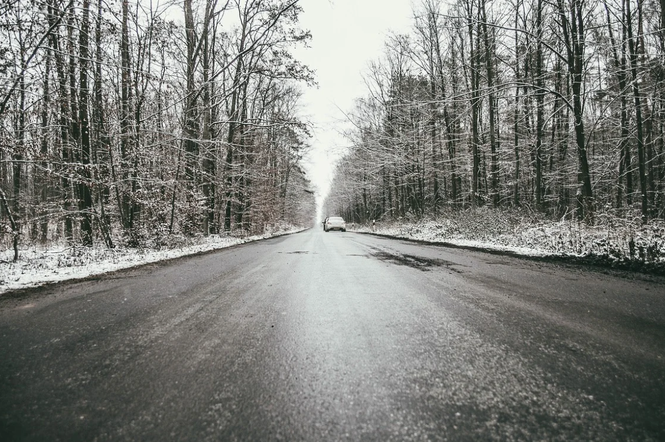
(332, 337)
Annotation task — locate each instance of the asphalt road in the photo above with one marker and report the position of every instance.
(336, 336)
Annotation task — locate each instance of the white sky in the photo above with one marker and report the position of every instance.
(346, 36)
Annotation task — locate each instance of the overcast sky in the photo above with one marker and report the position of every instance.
(346, 36)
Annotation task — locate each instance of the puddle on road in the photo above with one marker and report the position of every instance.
(417, 262)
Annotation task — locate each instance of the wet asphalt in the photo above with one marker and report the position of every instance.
(333, 337)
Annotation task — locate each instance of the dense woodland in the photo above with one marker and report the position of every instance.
(132, 121)
(552, 106)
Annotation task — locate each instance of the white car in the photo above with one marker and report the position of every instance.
(334, 223)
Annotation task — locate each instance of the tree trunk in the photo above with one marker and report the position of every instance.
(42, 180)
(540, 97)
(17, 156)
(632, 51)
(516, 114)
(573, 33)
(475, 106)
(492, 108)
(63, 118)
(12, 222)
(124, 203)
(102, 143)
(85, 195)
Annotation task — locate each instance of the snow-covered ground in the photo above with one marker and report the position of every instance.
(431, 232)
(611, 242)
(39, 266)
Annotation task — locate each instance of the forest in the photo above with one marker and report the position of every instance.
(555, 108)
(133, 122)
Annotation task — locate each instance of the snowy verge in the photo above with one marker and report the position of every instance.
(611, 243)
(40, 266)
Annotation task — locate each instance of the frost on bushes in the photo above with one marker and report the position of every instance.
(38, 265)
(612, 239)
(279, 227)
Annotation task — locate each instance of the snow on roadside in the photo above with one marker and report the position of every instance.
(430, 233)
(614, 242)
(37, 266)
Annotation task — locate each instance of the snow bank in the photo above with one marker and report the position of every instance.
(38, 266)
(614, 242)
